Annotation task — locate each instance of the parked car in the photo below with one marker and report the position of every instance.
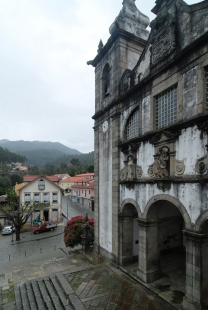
(7, 230)
(44, 227)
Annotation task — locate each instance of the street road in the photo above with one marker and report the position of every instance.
(32, 244)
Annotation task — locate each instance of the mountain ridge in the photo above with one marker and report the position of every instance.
(38, 152)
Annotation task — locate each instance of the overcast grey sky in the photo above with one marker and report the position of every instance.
(46, 88)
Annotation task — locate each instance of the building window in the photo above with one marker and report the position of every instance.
(166, 108)
(27, 197)
(55, 197)
(41, 184)
(132, 126)
(106, 81)
(207, 89)
(46, 197)
(36, 197)
(89, 191)
(85, 193)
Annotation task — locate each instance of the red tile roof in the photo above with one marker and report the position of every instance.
(79, 178)
(85, 185)
(30, 178)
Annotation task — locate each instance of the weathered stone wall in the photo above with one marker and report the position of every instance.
(105, 188)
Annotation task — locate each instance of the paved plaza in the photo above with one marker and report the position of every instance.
(39, 272)
(67, 280)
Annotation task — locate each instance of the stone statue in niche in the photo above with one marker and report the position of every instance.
(131, 171)
(162, 158)
(160, 168)
(130, 168)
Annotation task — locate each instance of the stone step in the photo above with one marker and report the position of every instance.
(24, 298)
(49, 293)
(30, 295)
(18, 297)
(37, 295)
(45, 295)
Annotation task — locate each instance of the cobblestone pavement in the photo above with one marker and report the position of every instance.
(104, 287)
(31, 244)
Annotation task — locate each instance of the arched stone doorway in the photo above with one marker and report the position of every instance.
(129, 234)
(162, 244)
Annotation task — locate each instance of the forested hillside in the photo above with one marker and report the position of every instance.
(7, 157)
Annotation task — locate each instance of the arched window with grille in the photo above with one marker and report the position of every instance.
(132, 126)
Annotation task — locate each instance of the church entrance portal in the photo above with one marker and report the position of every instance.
(162, 245)
(129, 235)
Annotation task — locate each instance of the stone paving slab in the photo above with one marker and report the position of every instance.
(104, 287)
(92, 287)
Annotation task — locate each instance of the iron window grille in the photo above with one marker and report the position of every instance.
(206, 77)
(132, 127)
(166, 108)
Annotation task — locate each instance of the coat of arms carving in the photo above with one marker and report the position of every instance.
(163, 37)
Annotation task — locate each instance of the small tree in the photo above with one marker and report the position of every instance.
(18, 214)
(73, 231)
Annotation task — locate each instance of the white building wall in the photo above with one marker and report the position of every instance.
(193, 197)
(189, 147)
(105, 189)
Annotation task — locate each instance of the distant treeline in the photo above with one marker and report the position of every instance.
(7, 157)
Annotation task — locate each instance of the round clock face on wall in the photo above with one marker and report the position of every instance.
(105, 126)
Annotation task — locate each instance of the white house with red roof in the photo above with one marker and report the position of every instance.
(67, 183)
(43, 190)
(82, 191)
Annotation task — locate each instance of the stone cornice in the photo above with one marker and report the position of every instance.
(173, 179)
(115, 35)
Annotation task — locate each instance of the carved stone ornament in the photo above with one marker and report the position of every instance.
(202, 164)
(138, 171)
(160, 168)
(179, 167)
(164, 185)
(163, 37)
(131, 170)
(130, 186)
(164, 136)
(125, 82)
(128, 172)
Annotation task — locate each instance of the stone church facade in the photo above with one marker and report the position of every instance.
(151, 143)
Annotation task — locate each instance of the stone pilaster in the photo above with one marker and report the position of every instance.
(115, 186)
(196, 271)
(96, 189)
(148, 268)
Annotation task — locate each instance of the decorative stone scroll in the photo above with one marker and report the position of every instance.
(202, 164)
(179, 167)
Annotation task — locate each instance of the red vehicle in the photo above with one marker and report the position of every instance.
(44, 227)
